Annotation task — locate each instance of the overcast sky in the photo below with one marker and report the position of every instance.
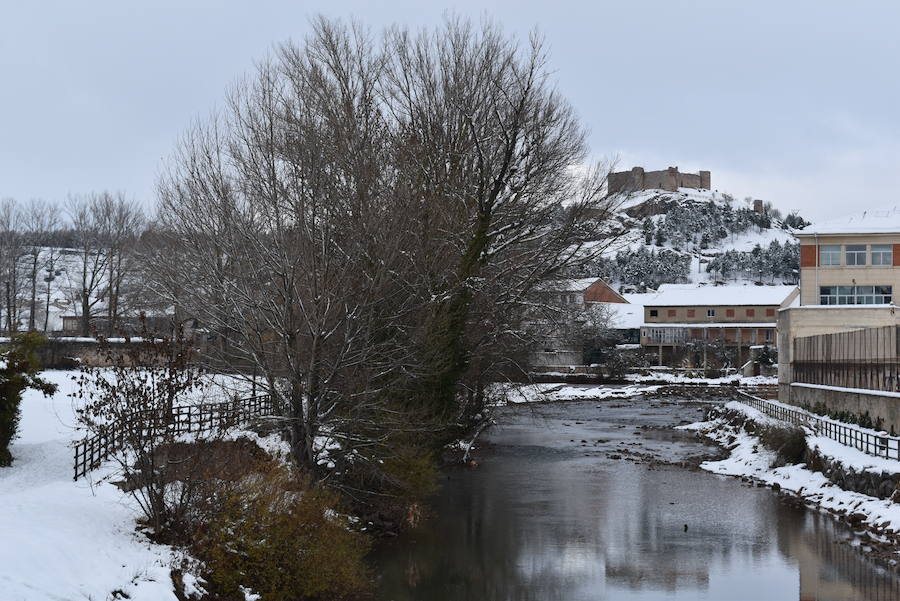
(794, 102)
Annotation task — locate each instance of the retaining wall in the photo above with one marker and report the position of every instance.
(887, 408)
(882, 485)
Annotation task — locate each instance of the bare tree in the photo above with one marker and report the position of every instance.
(120, 222)
(39, 219)
(11, 252)
(363, 224)
(85, 284)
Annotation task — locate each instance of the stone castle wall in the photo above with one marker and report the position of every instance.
(668, 179)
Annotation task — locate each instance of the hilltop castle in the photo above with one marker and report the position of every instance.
(669, 179)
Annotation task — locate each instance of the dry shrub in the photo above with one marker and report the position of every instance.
(789, 442)
(282, 538)
(387, 489)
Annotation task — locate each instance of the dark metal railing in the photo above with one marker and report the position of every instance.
(878, 445)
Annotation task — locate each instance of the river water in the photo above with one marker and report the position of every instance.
(587, 501)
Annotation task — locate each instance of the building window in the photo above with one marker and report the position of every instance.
(768, 336)
(691, 312)
(856, 254)
(729, 312)
(882, 254)
(830, 254)
(710, 312)
(654, 313)
(855, 295)
(751, 312)
(770, 312)
(671, 313)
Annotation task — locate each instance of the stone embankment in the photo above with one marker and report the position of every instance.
(881, 485)
(809, 471)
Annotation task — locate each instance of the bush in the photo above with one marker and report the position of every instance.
(388, 485)
(788, 442)
(282, 539)
(19, 367)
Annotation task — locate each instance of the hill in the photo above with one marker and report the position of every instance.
(697, 236)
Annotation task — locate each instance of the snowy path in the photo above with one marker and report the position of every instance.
(65, 540)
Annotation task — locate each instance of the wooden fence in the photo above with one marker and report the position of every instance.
(92, 451)
(868, 359)
(867, 442)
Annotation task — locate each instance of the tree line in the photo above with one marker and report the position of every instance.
(774, 262)
(700, 225)
(82, 253)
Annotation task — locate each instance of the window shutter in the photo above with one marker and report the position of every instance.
(808, 254)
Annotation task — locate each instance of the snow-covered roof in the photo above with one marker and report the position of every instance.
(879, 220)
(576, 285)
(625, 316)
(714, 325)
(683, 295)
(629, 316)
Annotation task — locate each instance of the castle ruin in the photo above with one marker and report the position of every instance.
(668, 179)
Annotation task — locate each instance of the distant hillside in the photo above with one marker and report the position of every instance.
(694, 236)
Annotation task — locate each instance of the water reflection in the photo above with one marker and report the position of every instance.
(550, 516)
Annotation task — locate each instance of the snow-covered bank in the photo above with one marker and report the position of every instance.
(750, 459)
(680, 378)
(63, 539)
(545, 393)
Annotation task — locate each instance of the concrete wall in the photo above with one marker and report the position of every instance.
(884, 407)
(796, 322)
(562, 357)
(62, 353)
(667, 179)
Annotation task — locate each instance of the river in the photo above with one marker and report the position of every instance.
(587, 501)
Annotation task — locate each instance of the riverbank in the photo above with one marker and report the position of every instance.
(603, 498)
(651, 383)
(817, 481)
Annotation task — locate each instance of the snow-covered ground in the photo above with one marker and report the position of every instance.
(550, 392)
(675, 377)
(749, 458)
(545, 393)
(62, 539)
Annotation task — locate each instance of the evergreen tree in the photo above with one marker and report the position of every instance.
(648, 230)
(19, 367)
(660, 238)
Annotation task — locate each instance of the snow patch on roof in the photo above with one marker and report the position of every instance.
(576, 285)
(625, 316)
(879, 220)
(682, 295)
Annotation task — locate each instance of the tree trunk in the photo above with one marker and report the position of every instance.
(85, 314)
(33, 307)
(9, 310)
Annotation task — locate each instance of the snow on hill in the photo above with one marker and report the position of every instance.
(695, 236)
